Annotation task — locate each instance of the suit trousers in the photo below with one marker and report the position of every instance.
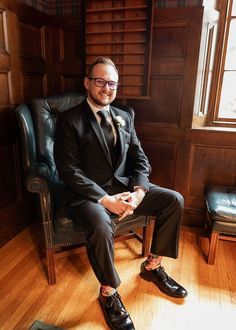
(165, 204)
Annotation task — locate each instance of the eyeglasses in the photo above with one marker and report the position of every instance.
(99, 82)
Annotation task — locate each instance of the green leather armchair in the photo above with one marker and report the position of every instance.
(37, 120)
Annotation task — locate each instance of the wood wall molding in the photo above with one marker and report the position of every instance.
(176, 50)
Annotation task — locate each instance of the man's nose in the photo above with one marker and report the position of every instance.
(106, 86)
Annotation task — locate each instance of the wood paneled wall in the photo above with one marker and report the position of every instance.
(38, 56)
(211, 159)
(182, 158)
(163, 119)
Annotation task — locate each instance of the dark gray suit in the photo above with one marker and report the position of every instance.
(85, 165)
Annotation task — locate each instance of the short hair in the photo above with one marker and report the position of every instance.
(101, 60)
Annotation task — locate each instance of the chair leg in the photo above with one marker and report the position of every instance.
(50, 266)
(214, 238)
(207, 224)
(146, 240)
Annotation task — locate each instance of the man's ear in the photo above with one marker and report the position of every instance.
(86, 83)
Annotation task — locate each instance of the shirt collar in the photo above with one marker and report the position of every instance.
(95, 109)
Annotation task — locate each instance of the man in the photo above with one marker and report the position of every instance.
(99, 157)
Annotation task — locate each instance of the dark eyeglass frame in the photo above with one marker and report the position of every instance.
(113, 85)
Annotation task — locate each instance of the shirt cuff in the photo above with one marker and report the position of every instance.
(140, 187)
(99, 201)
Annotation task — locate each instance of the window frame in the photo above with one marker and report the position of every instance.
(225, 9)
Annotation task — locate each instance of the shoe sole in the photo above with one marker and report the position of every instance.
(147, 278)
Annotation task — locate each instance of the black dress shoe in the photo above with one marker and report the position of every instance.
(117, 317)
(165, 283)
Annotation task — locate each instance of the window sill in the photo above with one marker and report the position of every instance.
(215, 128)
(199, 123)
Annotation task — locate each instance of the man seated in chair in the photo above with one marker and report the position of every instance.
(99, 157)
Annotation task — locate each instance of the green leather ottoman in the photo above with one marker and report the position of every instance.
(220, 216)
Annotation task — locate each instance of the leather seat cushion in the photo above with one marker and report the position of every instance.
(221, 203)
(67, 230)
(64, 224)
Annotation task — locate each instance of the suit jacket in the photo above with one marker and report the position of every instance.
(83, 160)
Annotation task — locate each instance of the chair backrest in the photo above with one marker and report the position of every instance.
(37, 120)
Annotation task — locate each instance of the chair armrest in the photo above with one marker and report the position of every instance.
(38, 179)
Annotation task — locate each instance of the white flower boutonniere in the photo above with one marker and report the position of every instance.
(120, 121)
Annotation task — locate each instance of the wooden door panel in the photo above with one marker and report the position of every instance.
(162, 157)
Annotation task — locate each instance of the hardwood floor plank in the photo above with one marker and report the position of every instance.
(72, 303)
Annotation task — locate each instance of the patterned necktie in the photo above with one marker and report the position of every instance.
(107, 128)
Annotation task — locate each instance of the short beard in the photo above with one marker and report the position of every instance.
(98, 102)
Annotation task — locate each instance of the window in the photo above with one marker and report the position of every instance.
(222, 109)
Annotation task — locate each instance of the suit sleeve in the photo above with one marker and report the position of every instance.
(67, 159)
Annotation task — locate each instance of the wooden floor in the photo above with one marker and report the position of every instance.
(72, 302)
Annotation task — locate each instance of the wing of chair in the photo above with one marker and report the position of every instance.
(36, 121)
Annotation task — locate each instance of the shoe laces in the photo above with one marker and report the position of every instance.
(164, 275)
(115, 301)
